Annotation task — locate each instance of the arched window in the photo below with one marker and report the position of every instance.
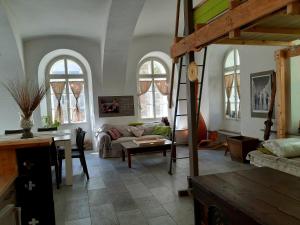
(67, 101)
(153, 88)
(232, 84)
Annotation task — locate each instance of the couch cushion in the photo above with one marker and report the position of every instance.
(114, 133)
(136, 131)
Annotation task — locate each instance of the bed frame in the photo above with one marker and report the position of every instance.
(250, 22)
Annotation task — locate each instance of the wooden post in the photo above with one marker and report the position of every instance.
(191, 98)
(281, 82)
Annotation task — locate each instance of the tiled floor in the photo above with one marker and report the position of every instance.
(145, 194)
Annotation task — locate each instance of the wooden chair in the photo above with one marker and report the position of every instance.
(77, 152)
(47, 129)
(6, 132)
(54, 162)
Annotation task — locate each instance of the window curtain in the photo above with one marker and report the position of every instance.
(76, 88)
(228, 80)
(58, 89)
(238, 82)
(143, 87)
(163, 88)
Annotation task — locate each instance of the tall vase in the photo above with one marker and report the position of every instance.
(26, 124)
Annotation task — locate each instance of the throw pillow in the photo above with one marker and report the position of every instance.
(136, 131)
(114, 133)
(162, 130)
(286, 147)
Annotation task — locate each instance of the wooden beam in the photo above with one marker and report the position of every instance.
(293, 51)
(234, 34)
(191, 97)
(243, 14)
(281, 83)
(253, 42)
(293, 8)
(273, 30)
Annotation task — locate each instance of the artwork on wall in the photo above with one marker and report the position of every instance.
(261, 90)
(115, 106)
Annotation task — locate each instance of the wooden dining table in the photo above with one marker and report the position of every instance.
(62, 138)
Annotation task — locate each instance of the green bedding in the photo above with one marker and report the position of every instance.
(209, 10)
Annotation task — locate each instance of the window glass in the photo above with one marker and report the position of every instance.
(73, 67)
(232, 85)
(230, 60)
(71, 96)
(154, 100)
(146, 68)
(158, 68)
(58, 67)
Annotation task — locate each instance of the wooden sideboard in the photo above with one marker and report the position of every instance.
(25, 166)
(259, 196)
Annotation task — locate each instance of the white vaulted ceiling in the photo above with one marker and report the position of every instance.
(85, 18)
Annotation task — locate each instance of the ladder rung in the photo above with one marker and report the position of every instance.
(185, 83)
(182, 115)
(197, 65)
(187, 157)
(182, 99)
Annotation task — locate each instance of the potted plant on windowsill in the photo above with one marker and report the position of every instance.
(28, 95)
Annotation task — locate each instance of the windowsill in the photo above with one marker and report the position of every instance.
(66, 124)
(232, 119)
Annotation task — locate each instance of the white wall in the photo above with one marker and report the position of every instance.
(36, 49)
(253, 59)
(11, 68)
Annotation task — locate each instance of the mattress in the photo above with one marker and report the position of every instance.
(287, 165)
(209, 10)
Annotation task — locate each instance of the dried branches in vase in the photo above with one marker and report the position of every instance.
(28, 95)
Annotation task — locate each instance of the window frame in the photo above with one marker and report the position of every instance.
(235, 68)
(67, 77)
(152, 77)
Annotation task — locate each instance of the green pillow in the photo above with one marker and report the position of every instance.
(134, 124)
(162, 130)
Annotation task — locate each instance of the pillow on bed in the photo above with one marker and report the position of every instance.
(286, 147)
(265, 151)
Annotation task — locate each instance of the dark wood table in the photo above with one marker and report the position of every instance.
(131, 148)
(258, 196)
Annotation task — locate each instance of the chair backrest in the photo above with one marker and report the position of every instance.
(78, 131)
(53, 153)
(80, 142)
(47, 129)
(13, 131)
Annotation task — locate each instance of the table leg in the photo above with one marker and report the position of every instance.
(129, 158)
(68, 161)
(164, 153)
(123, 155)
(174, 153)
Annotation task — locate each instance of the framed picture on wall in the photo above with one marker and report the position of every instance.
(261, 90)
(115, 106)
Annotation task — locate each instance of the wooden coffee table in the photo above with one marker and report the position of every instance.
(131, 148)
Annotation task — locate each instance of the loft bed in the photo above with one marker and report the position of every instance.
(250, 22)
(243, 22)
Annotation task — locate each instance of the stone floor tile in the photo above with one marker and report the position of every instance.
(162, 220)
(86, 221)
(132, 217)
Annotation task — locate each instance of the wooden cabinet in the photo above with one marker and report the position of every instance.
(240, 146)
(34, 186)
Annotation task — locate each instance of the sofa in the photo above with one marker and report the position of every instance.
(109, 148)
